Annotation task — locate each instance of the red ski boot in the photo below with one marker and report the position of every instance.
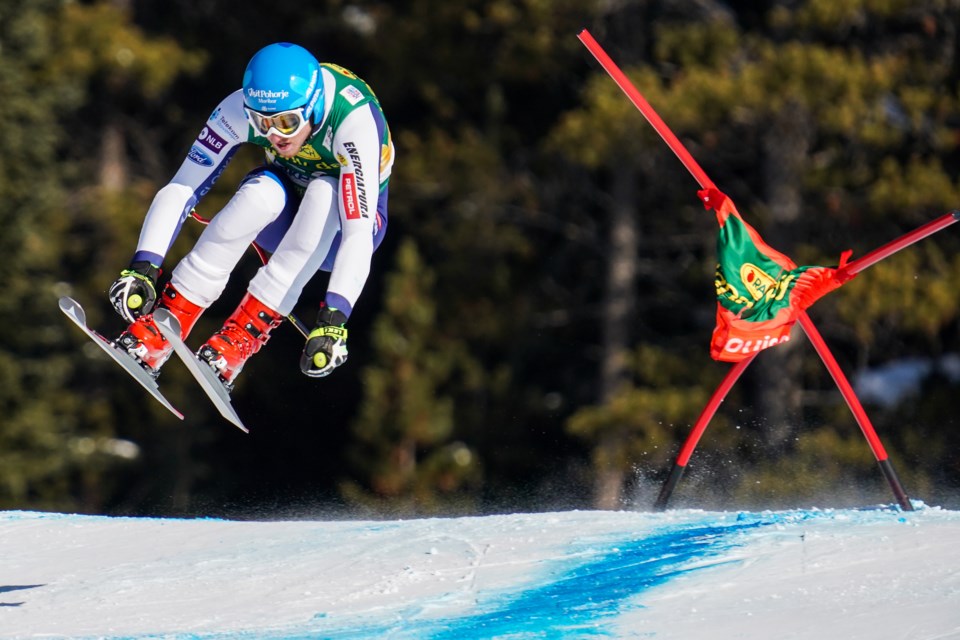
(143, 340)
(242, 335)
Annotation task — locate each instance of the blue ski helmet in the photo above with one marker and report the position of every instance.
(281, 77)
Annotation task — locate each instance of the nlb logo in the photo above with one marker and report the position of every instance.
(211, 140)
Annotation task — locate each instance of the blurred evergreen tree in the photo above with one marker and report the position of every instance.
(128, 113)
(65, 444)
(403, 430)
(467, 124)
(51, 455)
(805, 124)
(569, 301)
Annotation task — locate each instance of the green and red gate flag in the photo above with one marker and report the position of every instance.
(742, 320)
(760, 291)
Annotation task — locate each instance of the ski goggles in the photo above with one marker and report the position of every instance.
(285, 123)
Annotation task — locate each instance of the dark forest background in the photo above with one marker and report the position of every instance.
(535, 331)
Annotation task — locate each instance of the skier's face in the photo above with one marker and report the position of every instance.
(289, 147)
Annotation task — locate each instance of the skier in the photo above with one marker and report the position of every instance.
(318, 203)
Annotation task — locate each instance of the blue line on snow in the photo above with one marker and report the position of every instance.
(592, 593)
(583, 599)
(581, 596)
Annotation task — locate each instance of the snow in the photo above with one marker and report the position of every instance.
(808, 573)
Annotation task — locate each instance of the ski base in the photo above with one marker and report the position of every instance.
(203, 373)
(72, 309)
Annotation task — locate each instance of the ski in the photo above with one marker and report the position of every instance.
(72, 309)
(203, 373)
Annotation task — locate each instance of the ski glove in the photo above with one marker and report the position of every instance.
(135, 291)
(326, 347)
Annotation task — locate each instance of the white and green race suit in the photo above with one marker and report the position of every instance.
(324, 209)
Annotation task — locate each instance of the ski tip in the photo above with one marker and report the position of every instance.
(72, 309)
(166, 322)
(211, 384)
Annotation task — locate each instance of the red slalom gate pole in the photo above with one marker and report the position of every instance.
(872, 258)
(701, 425)
(836, 372)
(705, 182)
(846, 390)
(902, 242)
(648, 112)
(858, 412)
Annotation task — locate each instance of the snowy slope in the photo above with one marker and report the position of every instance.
(819, 574)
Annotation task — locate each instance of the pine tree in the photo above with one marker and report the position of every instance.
(826, 126)
(64, 65)
(404, 433)
(41, 443)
